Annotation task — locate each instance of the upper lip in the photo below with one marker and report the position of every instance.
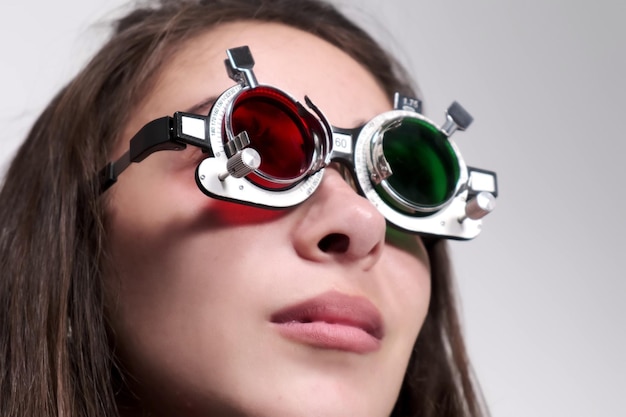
(335, 308)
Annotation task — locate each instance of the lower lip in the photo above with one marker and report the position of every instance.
(331, 336)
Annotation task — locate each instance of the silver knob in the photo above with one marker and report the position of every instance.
(479, 206)
(241, 164)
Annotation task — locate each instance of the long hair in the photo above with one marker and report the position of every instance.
(55, 358)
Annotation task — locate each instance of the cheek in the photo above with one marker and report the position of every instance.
(149, 212)
(190, 290)
(410, 288)
(171, 291)
(168, 242)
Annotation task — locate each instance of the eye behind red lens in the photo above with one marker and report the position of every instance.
(277, 130)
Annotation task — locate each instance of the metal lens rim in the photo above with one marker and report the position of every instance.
(378, 172)
(318, 146)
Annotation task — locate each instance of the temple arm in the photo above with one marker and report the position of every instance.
(164, 134)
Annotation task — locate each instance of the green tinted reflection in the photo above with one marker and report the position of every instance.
(424, 165)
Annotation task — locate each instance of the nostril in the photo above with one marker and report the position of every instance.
(334, 243)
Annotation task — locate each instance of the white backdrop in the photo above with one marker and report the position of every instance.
(542, 288)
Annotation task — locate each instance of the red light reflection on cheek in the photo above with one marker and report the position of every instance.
(227, 213)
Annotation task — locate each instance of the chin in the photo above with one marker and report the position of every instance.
(299, 394)
(320, 407)
(322, 399)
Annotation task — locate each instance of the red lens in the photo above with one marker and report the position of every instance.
(278, 132)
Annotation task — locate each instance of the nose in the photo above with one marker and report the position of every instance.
(338, 225)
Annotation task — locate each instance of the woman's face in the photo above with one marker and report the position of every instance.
(221, 309)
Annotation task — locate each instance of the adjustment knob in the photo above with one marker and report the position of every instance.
(479, 206)
(241, 164)
(457, 118)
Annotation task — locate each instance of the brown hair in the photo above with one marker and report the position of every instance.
(55, 357)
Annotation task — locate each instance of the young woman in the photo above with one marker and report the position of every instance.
(151, 298)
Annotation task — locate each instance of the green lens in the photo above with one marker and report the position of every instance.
(424, 165)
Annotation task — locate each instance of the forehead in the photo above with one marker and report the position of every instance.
(287, 58)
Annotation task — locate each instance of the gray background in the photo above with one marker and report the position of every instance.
(542, 287)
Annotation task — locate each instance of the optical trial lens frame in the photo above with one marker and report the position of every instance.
(404, 164)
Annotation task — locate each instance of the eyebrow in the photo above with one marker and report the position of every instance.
(204, 104)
